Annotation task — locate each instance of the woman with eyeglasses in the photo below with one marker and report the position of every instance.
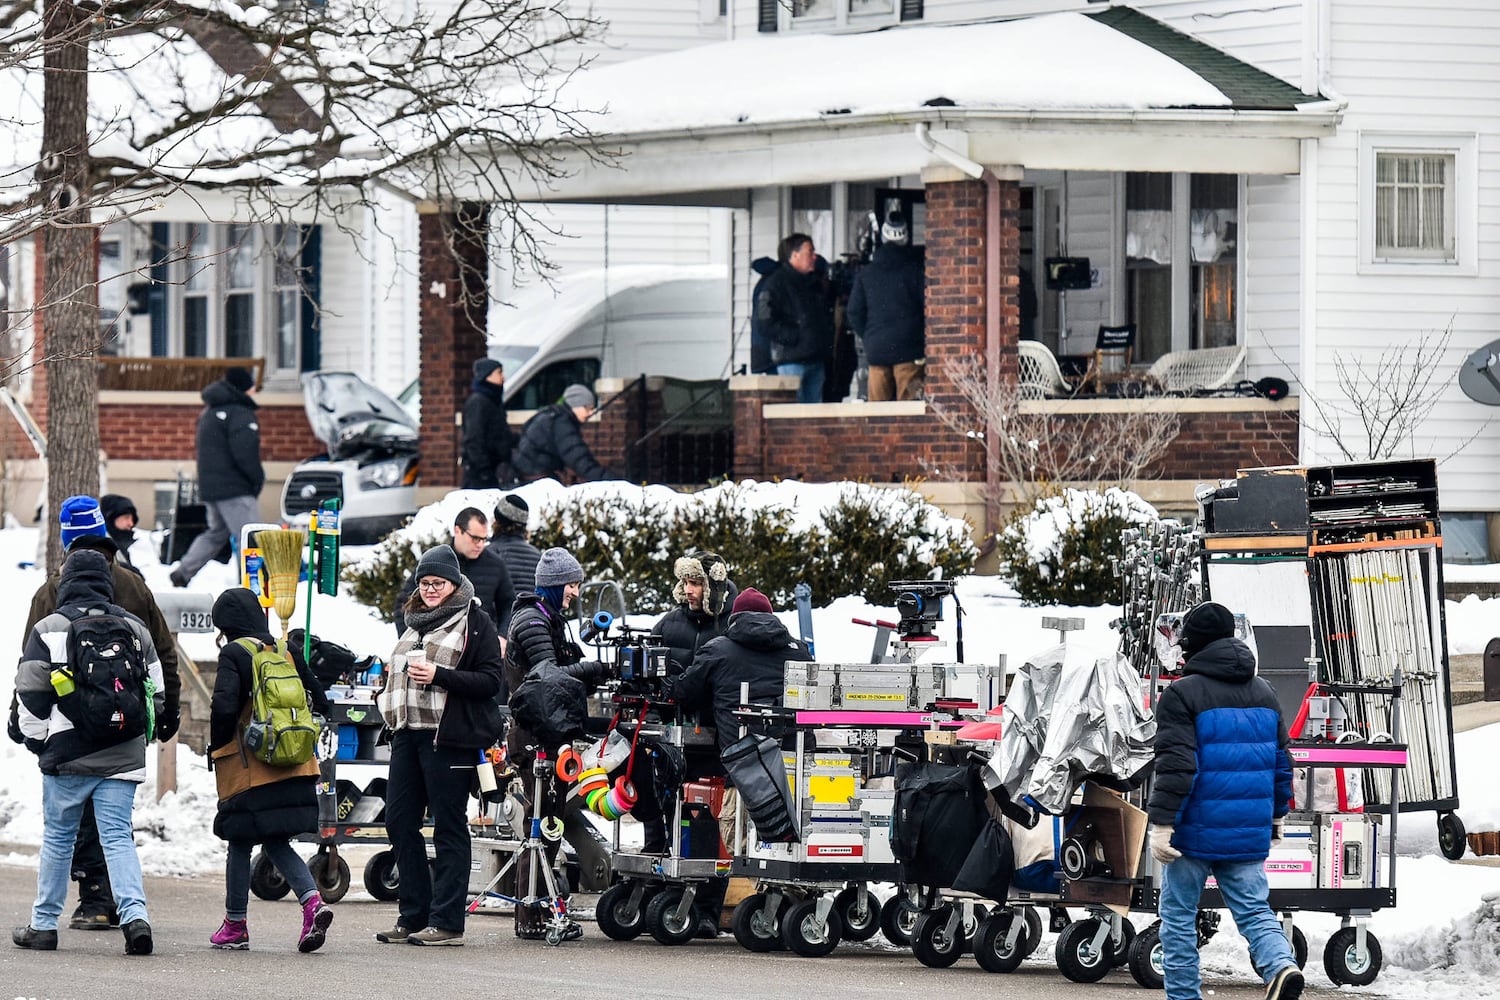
(439, 702)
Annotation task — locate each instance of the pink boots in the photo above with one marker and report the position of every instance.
(316, 917)
(232, 935)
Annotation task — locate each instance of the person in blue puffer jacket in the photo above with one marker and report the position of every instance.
(1223, 782)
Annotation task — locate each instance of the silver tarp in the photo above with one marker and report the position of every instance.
(1066, 721)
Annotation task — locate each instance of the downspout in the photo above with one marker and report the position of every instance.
(991, 320)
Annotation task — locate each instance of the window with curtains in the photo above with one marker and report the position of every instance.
(1414, 206)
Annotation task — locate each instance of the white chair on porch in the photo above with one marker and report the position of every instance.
(1204, 370)
(1041, 376)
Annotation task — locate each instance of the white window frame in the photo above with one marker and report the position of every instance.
(1464, 193)
(839, 17)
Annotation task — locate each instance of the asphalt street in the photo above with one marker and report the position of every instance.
(91, 965)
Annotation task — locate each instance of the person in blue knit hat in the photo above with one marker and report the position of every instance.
(80, 516)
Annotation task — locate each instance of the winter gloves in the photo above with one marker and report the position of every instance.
(1275, 832)
(1160, 839)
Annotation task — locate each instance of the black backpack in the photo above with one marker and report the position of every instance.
(939, 813)
(111, 700)
(551, 704)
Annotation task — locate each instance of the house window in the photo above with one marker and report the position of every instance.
(1414, 206)
(841, 13)
(238, 290)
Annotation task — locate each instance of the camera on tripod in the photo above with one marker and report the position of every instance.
(635, 662)
(920, 605)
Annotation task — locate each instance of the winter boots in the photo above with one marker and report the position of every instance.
(35, 940)
(232, 935)
(316, 918)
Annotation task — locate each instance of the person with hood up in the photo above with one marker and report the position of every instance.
(887, 310)
(760, 345)
(77, 768)
(120, 519)
(1223, 782)
(439, 702)
(552, 441)
(258, 803)
(754, 649)
(230, 475)
(487, 437)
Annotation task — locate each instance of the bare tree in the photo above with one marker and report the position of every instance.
(308, 110)
(1037, 450)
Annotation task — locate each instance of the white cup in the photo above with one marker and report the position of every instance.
(416, 657)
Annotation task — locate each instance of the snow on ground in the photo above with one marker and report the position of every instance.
(1443, 939)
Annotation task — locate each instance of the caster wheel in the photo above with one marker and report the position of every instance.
(1299, 946)
(1033, 937)
(662, 920)
(614, 916)
(931, 941)
(801, 932)
(1451, 839)
(990, 949)
(1145, 958)
(1120, 949)
(1077, 959)
(898, 918)
(332, 881)
(859, 912)
(265, 881)
(754, 928)
(382, 880)
(1342, 962)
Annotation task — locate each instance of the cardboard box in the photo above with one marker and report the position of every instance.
(1121, 828)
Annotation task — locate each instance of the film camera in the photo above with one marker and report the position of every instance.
(920, 605)
(636, 663)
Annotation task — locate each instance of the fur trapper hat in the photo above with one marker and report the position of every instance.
(709, 568)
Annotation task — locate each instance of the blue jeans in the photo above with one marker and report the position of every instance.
(63, 796)
(812, 375)
(237, 874)
(1243, 886)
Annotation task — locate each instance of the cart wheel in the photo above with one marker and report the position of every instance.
(931, 942)
(1076, 958)
(1451, 840)
(612, 918)
(381, 878)
(265, 881)
(1343, 964)
(801, 932)
(1145, 958)
(661, 918)
(755, 929)
(1033, 937)
(1299, 946)
(859, 912)
(898, 918)
(1120, 950)
(332, 885)
(989, 944)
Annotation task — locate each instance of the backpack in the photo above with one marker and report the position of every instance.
(111, 700)
(282, 730)
(550, 704)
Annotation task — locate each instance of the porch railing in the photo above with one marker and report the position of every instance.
(171, 374)
(692, 440)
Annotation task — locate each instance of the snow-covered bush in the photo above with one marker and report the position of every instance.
(1058, 550)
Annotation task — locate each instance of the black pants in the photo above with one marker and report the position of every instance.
(428, 778)
(89, 870)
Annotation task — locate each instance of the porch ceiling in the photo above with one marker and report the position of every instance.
(1060, 91)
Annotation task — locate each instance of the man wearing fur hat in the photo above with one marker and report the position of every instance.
(704, 594)
(487, 438)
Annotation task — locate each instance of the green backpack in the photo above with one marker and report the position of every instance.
(282, 730)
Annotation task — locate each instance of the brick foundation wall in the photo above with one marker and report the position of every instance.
(1212, 446)
(166, 430)
(453, 311)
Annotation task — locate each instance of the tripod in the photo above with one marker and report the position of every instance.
(560, 927)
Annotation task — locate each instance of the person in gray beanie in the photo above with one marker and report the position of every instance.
(552, 442)
(487, 437)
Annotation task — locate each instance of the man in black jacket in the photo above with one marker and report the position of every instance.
(481, 565)
(760, 347)
(487, 438)
(553, 441)
(509, 538)
(230, 475)
(797, 317)
(887, 311)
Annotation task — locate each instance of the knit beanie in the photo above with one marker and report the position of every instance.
(1205, 623)
(240, 378)
(513, 508)
(578, 395)
(556, 568)
(483, 367)
(441, 561)
(709, 568)
(751, 599)
(80, 516)
(112, 505)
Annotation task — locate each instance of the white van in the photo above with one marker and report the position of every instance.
(620, 322)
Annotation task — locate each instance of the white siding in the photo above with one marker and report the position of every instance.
(756, 234)
(1270, 239)
(635, 28)
(1419, 68)
(741, 283)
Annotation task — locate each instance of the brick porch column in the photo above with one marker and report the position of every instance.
(750, 394)
(454, 303)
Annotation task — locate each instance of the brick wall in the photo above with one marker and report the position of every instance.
(1213, 446)
(167, 431)
(453, 311)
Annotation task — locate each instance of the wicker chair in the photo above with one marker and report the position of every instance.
(1184, 372)
(1040, 374)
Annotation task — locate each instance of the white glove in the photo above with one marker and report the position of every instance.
(1162, 850)
(1275, 832)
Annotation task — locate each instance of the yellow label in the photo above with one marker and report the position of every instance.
(875, 697)
(792, 693)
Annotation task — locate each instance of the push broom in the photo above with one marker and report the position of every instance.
(282, 550)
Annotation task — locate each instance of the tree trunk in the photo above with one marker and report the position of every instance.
(70, 304)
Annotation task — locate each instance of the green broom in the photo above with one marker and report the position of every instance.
(282, 550)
